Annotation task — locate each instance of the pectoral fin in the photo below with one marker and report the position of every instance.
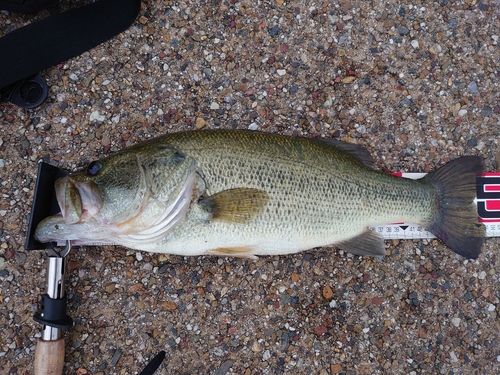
(239, 205)
(237, 252)
(368, 243)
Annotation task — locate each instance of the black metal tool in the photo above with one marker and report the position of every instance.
(44, 203)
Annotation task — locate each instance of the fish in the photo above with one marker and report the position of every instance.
(246, 194)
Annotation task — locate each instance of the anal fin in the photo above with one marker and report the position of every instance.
(367, 243)
(237, 252)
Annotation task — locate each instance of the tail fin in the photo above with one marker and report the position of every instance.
(456, 222)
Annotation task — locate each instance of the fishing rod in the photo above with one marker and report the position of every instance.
(50, 348)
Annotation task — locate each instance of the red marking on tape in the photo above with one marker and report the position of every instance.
(481, 220)
(491, 187)
(493, 205)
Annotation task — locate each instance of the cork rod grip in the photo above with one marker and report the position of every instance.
(49, 357)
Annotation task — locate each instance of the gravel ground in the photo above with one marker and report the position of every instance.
(416, 82)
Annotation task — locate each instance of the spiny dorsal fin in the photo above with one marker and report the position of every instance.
(358, 152)
(367, 243)
(239, 205)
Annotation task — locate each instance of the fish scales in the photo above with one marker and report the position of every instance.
(317, 194)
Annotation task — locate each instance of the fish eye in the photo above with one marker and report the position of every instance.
(94, 168)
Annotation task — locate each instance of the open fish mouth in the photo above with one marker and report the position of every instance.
(77, 200)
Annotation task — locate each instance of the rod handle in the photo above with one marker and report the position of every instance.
(49, 357)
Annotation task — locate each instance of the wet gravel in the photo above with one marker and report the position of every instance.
(416, 82)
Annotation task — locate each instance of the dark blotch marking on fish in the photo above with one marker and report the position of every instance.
(177, 157)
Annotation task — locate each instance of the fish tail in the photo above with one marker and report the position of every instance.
(456, 222)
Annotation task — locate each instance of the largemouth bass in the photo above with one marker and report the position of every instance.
(243, 193)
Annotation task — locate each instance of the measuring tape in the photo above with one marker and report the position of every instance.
(488, 209)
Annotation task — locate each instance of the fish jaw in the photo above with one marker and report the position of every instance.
(77, 198)
(54, 228)
(80, 202)
(69, 200)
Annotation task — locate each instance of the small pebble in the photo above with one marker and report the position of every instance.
(403, 30)
(473, 87)
(200, 123)
(486, 111)
(472, 142)
(327, 292)
(482, 6)
(116, 357)
(274, 31)
(110, 288)
(224, 368)
(453, 357)
(335, 368)
(96, 116)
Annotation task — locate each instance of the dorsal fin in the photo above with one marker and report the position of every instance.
(358, 152)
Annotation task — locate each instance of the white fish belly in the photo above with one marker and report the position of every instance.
(262, 237)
